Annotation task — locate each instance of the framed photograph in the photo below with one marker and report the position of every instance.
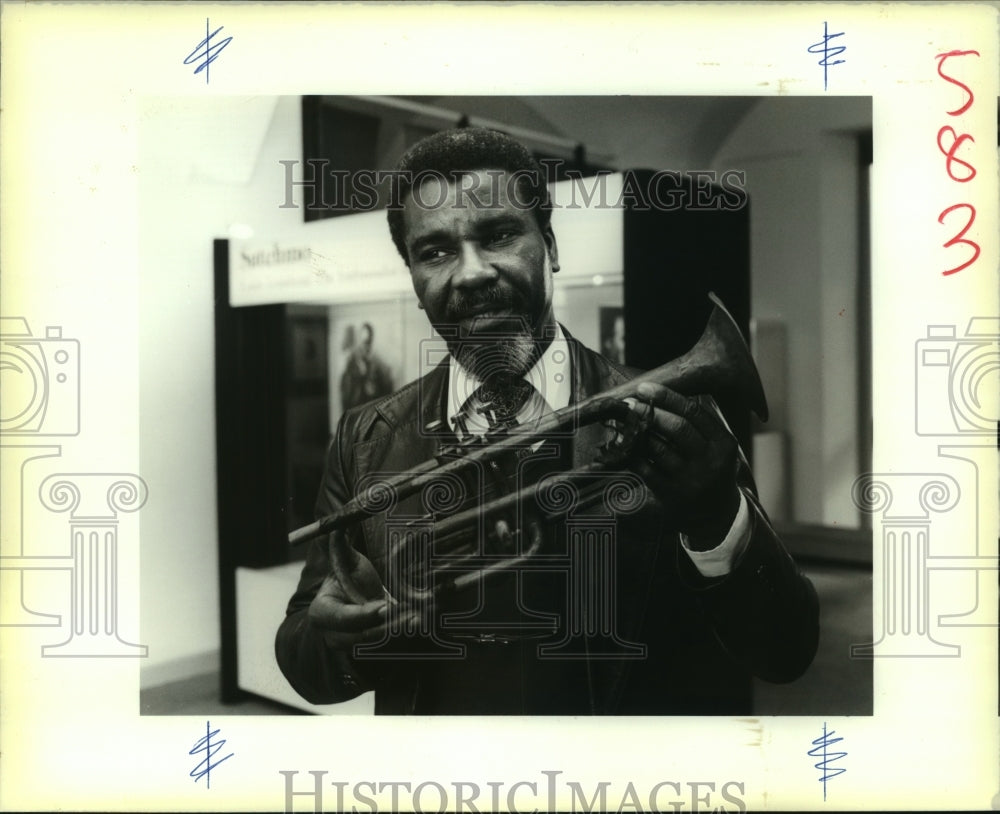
(367, 354)
(612, 322)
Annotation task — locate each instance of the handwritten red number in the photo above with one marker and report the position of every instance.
(941, 58)
(956, 142)
(960, 237)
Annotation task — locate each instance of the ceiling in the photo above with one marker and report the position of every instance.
(621, 131)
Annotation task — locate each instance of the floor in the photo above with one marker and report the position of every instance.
(199, 695)
(835, 684)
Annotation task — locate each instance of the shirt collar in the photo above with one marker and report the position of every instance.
(550, 376)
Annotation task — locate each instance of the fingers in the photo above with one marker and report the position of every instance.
(351, 625)
(679, 415)
(688, 450)
(345, 622)
(341, 641)
(346, 625)
(329, 611)
(356, 576)
(677, 431)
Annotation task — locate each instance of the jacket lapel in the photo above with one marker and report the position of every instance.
(399, 440)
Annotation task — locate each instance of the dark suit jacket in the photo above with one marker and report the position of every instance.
(704, 637)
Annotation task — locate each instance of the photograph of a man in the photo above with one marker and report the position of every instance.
(366, 376)
(703, 595)
(613, 335)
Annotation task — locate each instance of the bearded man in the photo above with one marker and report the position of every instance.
(672, 613)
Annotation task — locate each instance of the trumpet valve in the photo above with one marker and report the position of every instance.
(624, 432)
(504, 537)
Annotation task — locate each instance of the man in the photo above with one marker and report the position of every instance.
(614, 343)
(366, 376)
(695, 593)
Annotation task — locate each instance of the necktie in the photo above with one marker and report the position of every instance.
(500, 401)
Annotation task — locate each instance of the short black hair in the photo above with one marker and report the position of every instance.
(449, 153)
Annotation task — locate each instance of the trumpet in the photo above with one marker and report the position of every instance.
(719, 365)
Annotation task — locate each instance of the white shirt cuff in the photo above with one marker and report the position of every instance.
(719, 561)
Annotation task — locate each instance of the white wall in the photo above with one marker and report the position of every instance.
(204, 165)
(801, 164)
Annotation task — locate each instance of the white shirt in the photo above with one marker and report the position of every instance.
(551, 377)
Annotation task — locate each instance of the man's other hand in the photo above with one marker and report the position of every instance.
(688, 458)
(352, 604)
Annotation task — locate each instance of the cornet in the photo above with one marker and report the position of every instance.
(719, 365)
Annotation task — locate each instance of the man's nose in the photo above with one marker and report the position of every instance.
(473, 268)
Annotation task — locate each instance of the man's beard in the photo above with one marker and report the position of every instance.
(498, 347)
(498, 358)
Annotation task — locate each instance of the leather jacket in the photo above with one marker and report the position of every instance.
(703, 637)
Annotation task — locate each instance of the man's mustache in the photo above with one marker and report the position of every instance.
(463, 305)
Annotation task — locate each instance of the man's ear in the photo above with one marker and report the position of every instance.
(552, 248)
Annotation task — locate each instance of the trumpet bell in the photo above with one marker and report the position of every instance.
(721, 364)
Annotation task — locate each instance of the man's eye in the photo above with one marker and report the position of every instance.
(432, 255)
(499, 237)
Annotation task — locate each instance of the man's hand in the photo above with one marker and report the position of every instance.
(352, 604)
(687, 458)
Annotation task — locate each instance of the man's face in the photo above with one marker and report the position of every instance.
(480, 264)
